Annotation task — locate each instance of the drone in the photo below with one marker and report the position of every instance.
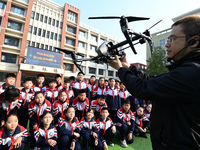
(107, 50)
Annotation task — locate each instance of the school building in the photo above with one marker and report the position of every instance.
(32, 29)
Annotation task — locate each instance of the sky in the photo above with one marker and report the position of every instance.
(153, 9)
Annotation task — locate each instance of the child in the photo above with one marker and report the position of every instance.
(101, 90)
(69, 131)
(69, 91)
(72, 79)
(126, 123)
(134, 103)
(27, 94)
(46, 134)
(9, 80)
(81, 104)
(58, 78)
(123, 93)
(9, 103)
(12, 135)
(117, 85)
(106, 84)
(89, 131)
(60, 106)
(92, 87)
(98, 104)
(141, 123)
(112, 99)
(147, 114)
(40, 83)
(51, 93)
(36, 108)
(107, 130)
(80, 85)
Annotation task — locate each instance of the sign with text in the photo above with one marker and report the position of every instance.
(36, 56)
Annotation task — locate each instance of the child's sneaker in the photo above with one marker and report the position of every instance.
(111, 143)
(123, 143)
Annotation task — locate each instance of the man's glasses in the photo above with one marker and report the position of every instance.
(172, 38)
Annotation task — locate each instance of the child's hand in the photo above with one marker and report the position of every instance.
(34, 126)
(96, 142)
(129, 123)
(18, 142)
(129, 137)
(105, 146)
(2, 123)
(94, 134)
(72, 147)
(113, 129)
(76, 134)
(51, 142)
(145, 130)
(140, 129)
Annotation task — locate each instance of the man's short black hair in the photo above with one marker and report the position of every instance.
(72, 78)
(80, 73)
(10, 75)
(11, 93)
(111, 79)
(82, 91)
(92, 76)
(116, 80)
(28, 79)
(53, 81)
(67, 80)
(106, 80)
(104, 108)
(40, 75)
(102, 96)
(57, 76)
(126, 101)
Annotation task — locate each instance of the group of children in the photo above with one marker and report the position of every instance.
(63, 114)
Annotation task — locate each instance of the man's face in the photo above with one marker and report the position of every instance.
(126, 107)
(80, 77)
(28, 84)
(101, 82)
(92, 80)
(53, 85)
(117, 84)
(66, 85)
(40, 80)
(59, 80)
(10, 81)
(82, 96)
(177, 44)
(112, 83)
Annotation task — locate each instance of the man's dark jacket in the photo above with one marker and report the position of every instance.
(175, 117)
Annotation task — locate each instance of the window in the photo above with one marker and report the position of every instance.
(46, 47)
(41, 18)
(53, 23)
(8, 58)
(81, 45)
(2, 76)
(116, 74)
(28, 43)
(68, 55)
(61, 23)
(59, 37)
(38, 45)
(39, 31)
(51, 35)
(45, 19)
(69, 67)
(55, 37)
(101, 62)
(162, 42)
(57, 23)
(100, 71)
(43, 33)
(71, 29)
(35, 30)
(54, 49)
(92, 70)
(93, 48)
(110, 73)
(81, 33)
(30, 29)
(72, 16)
(17, 10)
(70, 41)
(42, 46)
(26, 1)
(93, 61)
(14, 25)
(37, 16)
(33, 44)
(2, 5)
(49, 21)
(102, 40)
(33, 15)
(11, 41)
(94, 38)
(48, 33)
(50, 48)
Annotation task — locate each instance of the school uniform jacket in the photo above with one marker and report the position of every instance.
(2, 88)
(35, 111)
(60, 87)
(27, 97)
(124, 118)
(51, 95)
(41, 135)
(112, 99)
(139, 120)
(100, 91)
(7, 141)
(7, 107)
(67, 128)
(90, 126)
(37, 88)
(81, 106)
(147, 114)
(77, 86)
(70, 94)
(92, 88)
(95, 105)
(124, 94)
(59, 108)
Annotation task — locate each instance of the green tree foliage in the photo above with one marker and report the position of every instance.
(156, 64)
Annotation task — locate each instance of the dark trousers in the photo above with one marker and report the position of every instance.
(108, 136)
(79, 114)
(23, 117)
(124, 131)
(88, 140)
(47, 147)
(21, 147)
(65, 142)
(113, 115)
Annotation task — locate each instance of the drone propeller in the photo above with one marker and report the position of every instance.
(129, 18)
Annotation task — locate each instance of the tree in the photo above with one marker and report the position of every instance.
(156, 64)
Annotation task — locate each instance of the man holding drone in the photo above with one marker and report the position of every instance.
(175, 117)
